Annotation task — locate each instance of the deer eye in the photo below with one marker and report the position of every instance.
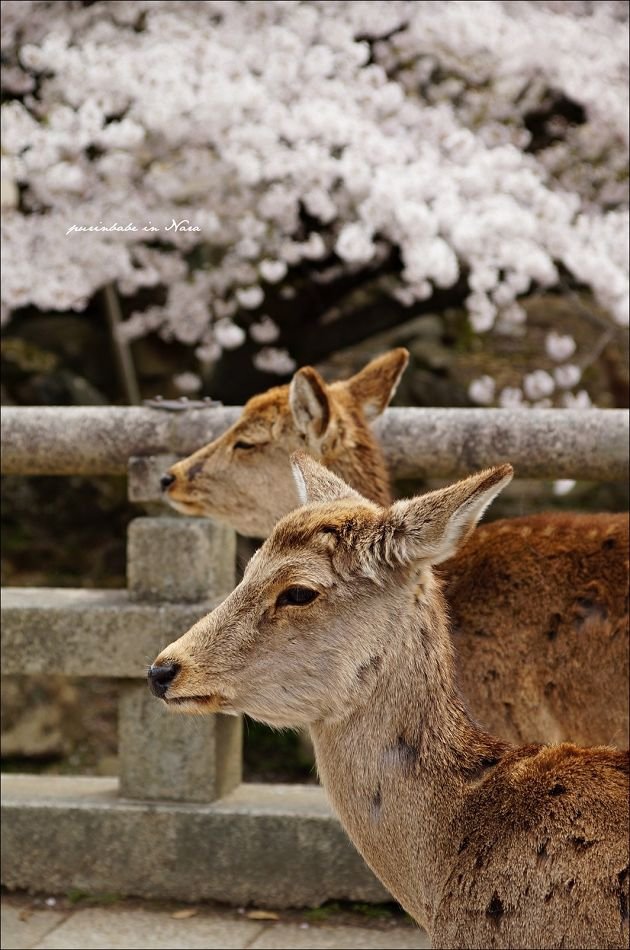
(243, 445)
(296, 597)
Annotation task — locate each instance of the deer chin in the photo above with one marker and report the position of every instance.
(198, 705)
(186, 507)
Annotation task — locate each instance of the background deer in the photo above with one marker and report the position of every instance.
(339, 624)
(539, 604)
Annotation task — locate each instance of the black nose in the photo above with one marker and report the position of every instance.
(166, 480)
(160, 677)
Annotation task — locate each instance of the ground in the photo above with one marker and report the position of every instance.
(51, 923)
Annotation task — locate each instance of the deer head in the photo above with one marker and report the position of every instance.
(244, 476)
(329, 591)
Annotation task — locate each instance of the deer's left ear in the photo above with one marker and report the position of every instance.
(374, 387)
(433, 526)
(316, 483)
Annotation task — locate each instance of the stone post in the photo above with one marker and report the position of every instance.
(165, 756)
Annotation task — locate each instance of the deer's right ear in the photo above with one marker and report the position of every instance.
(374, 387)
(309, 402)
(316, 483)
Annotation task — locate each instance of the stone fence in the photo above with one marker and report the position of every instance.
(178, 823)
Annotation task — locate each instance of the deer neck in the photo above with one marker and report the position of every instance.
(358, 459)
(398, 768)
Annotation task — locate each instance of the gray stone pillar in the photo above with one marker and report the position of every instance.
(177, 559)
(165, 755)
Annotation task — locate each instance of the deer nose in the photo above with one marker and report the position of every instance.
(160, 678)
(166, 480)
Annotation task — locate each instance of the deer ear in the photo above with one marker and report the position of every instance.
(375, 385)
(432, 526)
(316, 483)
(309, 402)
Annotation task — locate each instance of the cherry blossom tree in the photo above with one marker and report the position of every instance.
(267, 167)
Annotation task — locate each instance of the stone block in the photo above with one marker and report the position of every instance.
(417, 443)
(276, 846)
(164, 755)
(179, 559)
(143, 478)
(81, 632)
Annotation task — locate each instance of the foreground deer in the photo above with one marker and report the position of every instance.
(538, 604)
(339, 624)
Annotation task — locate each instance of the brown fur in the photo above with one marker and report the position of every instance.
(486, 845)
(539, 604)
(539, 610)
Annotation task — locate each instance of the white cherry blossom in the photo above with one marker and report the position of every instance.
(314, 140)
(559, 347)
(567, 376)
(538, 385)
(482, 390)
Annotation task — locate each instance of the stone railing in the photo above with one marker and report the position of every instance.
(178, 822)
